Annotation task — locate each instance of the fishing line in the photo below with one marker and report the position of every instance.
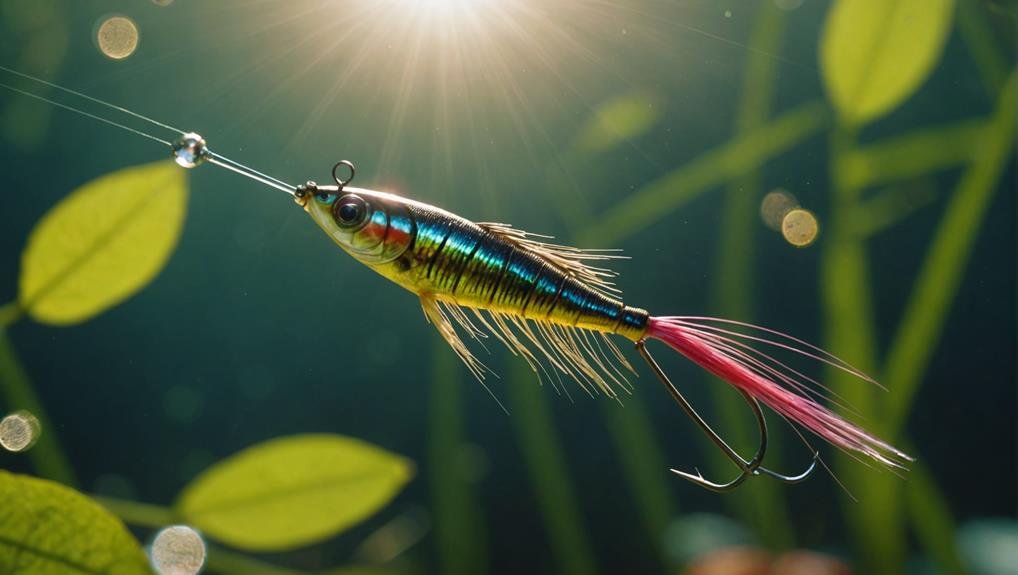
(228, 164)
(202, 154)
(84, 113)
(248, 171)
(91, 99)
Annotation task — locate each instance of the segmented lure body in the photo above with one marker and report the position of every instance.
(530, 294)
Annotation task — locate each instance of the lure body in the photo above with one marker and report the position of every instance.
(450, 262)
(431, 251)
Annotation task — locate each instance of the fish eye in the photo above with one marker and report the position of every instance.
(350, 211)
(326, 199)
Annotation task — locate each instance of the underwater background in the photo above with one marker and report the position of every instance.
(655, 127)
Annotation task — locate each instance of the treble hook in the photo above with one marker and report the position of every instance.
(748, 468)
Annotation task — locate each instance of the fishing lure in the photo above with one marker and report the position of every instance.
(553, 305)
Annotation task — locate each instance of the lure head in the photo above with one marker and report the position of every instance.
(373, 227)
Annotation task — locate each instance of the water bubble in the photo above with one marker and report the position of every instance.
(19, 431)
(775, 206)
(168, 2)
(177, 550)
(190, 150)
(728, 13)
(800, 227)
(117, 37)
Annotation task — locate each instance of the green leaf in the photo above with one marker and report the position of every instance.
(102, 243)
(292, 491)
(875, 53)
(620, 119)
(46, 528)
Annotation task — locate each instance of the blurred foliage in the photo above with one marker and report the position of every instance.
(944, 266)
(47, 457)
(618, 121)
(42, 28)
(762, 504)
(97, 247)
(546, 467)
(103, 243)
(989, 545)
(292, 491)
(460, 536)
(874, 54)
(746, 152)
(49, 529)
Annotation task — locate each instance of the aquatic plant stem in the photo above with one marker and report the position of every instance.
(136, 513)
(10, 313)
(875, 520)
(643, 463)
(46, 455)
(231, 563)
(979, 38)
(943, 268)
(459, 525)
(545, 463)
(157, 516)
(644, 468)
(660, 198)
(931, 518)
(760, 503)
(911, 155)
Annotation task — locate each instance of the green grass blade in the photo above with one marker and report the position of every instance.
(715, 167)
(931, 519)
(761, 504)
(553, 489)
(978, 36)
(224, 562)
(643, 466)
(459, 524)
(943, 269)
(47, 456)
(888, 207)
(137, 513)
(10, 313)
(912, 155)
(875, 521)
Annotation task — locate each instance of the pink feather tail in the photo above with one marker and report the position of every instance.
(723, 348)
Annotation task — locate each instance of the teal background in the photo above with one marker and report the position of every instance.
(260, 327)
